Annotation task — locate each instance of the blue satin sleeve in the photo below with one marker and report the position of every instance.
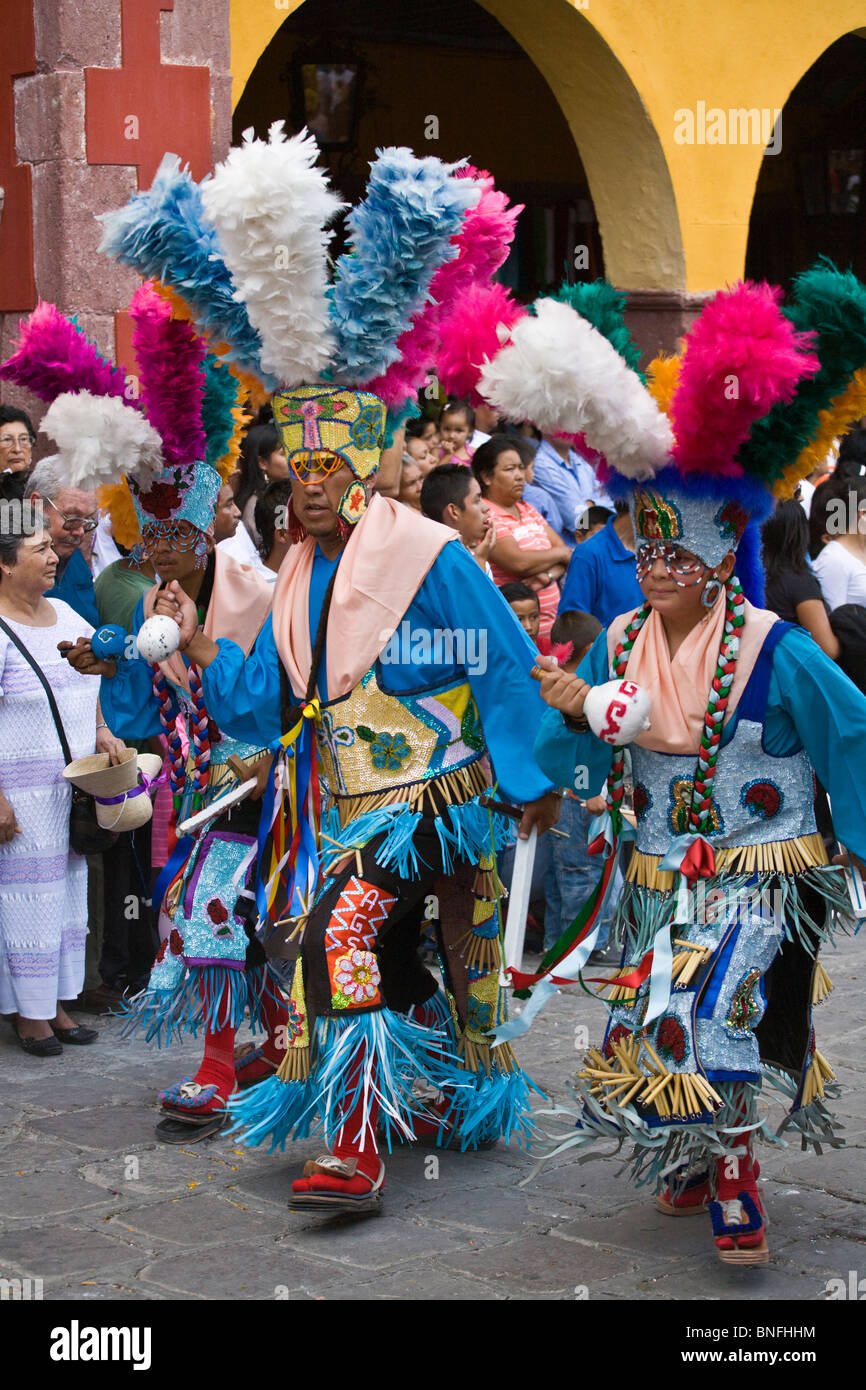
(127, 700)
(579, 762)
(812, 704)
(243, 694)
(498, 657)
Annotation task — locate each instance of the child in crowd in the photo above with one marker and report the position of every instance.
(574, 872)
(423, 453)
(422, 427)
(523, 602)
(590, 522)
(456, 426)
(452, 495)
(272, 524)
(411, 479)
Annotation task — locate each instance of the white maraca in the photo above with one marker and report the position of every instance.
(158, 638)
(617, 711)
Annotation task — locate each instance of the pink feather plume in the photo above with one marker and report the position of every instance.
(53, 356)
(483, 241)
(169, 354)
(471, 335)
(742, 356)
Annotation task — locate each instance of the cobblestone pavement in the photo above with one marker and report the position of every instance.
(94, 1206)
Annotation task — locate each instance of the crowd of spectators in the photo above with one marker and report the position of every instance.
(538, 521)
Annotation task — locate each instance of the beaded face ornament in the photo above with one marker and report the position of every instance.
(682, 567)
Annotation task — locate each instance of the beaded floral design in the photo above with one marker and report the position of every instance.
(641, 800)
(218, 914)
(671, 1039)
(479, 1015)
(762, 798)
(388, 752)
(294, 1021)
(744, 1005)
(357, 979)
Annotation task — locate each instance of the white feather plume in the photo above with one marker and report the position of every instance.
(562, 374)
(270, 206)
(101, 440)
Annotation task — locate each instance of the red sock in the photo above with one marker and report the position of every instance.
(217, 1069)
(352, 1141)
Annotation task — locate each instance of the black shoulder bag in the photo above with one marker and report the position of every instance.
(86, 835)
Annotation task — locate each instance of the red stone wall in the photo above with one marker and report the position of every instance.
(52, 125)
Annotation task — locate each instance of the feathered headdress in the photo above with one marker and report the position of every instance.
(256, 235)
(736, 413)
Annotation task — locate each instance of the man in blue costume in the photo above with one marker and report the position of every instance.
(390, 667)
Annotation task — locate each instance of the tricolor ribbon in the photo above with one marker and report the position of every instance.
(290, 818)
(563, 964)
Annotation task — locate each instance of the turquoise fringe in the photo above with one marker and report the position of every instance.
(492, 1107)
(463, 832)
(224, 1001)
(377, 1056)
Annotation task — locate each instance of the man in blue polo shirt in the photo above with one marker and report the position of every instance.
(601, 577)
(570, 480)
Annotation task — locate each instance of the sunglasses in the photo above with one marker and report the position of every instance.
(76, 523)
(685, 573)
(309, 466)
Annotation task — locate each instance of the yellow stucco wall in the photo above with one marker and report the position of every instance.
(672, 215)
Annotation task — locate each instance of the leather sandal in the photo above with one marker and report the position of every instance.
(329, 1166)
(738, 1230)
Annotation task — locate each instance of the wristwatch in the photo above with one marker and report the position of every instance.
(577, 726)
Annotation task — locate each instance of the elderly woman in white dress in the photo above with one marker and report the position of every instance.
(43, 886)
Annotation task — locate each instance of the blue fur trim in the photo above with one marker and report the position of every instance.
(163, 233)
(494, 1106)
(748, 567)
(400, 234)
(360, 1058)
(753, 496)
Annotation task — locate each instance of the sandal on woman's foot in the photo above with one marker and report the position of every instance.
(738, 1230)
(79, 1036)
(327, 1196)
(685, 1199)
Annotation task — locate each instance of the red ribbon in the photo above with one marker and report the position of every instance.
(699, 861)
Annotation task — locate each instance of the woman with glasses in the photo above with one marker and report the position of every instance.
(70, 516)
(43, 887)
(17, 438)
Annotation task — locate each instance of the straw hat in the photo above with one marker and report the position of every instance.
(120, 792)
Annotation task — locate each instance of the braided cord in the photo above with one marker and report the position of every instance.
(700, 817)
(619, 661)
(200, 735)
(168, 719)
